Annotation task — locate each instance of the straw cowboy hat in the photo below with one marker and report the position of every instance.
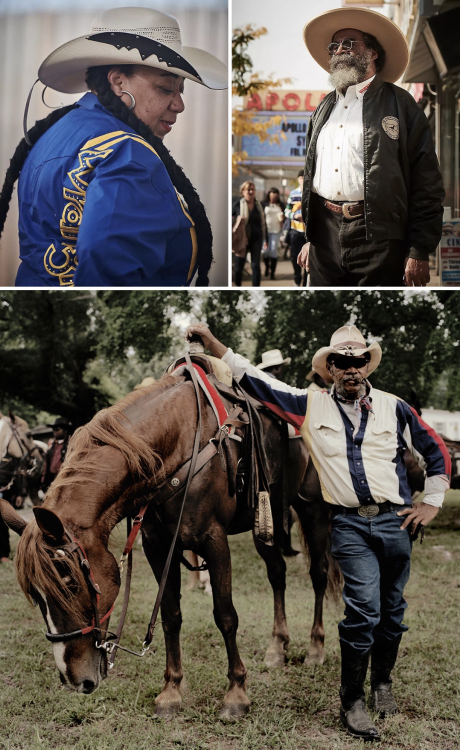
(130, 36)
(318, 35)
(272, 358)
(347, 340)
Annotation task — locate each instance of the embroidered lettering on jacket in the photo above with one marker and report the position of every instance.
(391, 127)
(62, 262)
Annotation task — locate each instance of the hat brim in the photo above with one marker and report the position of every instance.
(319, 31)
(262, 366)
(65, 69)
(320, 358)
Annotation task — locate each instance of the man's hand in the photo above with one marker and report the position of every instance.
(419, 513)
(417, 272)
(302, 258)
(209, 341)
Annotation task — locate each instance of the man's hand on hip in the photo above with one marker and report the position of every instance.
(419, 513)
(417, 272)
(302, 258)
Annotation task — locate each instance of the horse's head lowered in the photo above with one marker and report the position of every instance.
(111, 465)
(75, 588)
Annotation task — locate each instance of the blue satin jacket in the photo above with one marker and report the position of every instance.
(97, 208)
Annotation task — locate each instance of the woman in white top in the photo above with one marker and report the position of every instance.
(274, 217)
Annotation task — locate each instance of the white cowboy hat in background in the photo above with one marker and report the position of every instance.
(318, 35)
(347, 340)
(130, 36)
(145, 383)
(272, 358)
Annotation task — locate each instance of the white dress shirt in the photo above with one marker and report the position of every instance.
(339, 169)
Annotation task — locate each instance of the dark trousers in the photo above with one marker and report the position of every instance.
(297, 241)
(340, 255)
(374, 557)
(255, 265)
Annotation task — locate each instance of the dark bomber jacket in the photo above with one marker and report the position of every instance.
(403, 190)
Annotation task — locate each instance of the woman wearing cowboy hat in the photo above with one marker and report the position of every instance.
(373, 192)
(356, 437)
(101, 200)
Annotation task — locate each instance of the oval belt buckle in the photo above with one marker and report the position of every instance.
(368, 511)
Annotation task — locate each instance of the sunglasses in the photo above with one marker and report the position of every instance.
(346, 45)
(342, 362)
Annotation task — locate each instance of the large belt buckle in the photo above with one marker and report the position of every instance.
(346, 212)
(368, 511)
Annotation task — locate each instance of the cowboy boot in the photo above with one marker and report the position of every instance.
(267, 267)
(383, 659)
(353, 709)
(274, 262)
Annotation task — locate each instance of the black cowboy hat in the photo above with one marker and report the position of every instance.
(61, 422)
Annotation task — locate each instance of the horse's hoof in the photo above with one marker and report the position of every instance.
(274, 657)
(314, 657)
(166, 710)
(233, 711)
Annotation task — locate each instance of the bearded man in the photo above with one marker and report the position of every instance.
(373, 192)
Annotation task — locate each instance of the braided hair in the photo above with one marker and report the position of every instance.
(96, 79)
(21, 154)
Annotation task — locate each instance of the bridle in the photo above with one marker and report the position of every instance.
(94, 591)
(111, 646)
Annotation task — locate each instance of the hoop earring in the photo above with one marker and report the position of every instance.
(133, 101)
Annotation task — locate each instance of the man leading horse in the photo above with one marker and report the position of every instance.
(356, 436)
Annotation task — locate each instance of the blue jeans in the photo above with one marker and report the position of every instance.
(271, 250)
(374, 557)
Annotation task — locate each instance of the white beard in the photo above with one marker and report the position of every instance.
(348, 69)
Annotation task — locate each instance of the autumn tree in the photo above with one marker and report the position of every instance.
(244, 83)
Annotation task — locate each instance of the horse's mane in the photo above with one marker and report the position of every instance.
(34, 560)
(36, 571)
(112, 427)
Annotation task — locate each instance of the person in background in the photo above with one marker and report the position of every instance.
(274, 217)
(253, 213)
(57, 449)
(293, 212)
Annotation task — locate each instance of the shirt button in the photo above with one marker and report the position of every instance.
(358, 463)
(362, 481)
(336, 170)
(346, 106)
(338, 147)
(339, 193)
(340, 126)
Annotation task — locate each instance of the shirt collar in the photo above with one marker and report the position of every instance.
(355, 92)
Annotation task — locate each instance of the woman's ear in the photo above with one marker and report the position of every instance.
(116, 79)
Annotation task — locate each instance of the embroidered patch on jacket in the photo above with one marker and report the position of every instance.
(391, 127)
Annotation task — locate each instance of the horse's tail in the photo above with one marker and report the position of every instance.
(334, 576)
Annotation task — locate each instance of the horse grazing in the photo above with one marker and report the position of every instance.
(127, 455)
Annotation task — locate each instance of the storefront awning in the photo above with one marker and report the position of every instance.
(421, 68)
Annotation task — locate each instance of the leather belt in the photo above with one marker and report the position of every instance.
(349, 210)
(367, 511)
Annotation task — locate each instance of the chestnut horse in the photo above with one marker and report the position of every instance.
(113, 466)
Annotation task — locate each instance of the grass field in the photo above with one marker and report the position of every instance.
(293, 708)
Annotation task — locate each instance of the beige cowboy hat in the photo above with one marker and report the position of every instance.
(318, 35)
(347, 340)
(272, 358)
(130, 36)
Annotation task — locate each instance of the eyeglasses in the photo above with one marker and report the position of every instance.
(346, 45)
(342, 362)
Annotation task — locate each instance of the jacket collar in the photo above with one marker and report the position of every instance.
(376, 84)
